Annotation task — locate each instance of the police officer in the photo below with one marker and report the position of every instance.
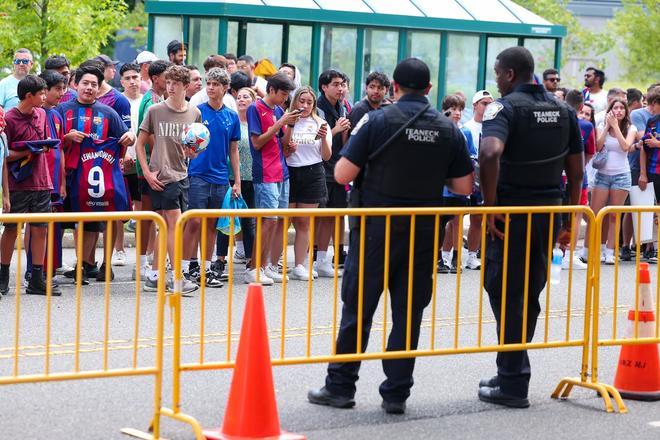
(400, 156)
(528, 139)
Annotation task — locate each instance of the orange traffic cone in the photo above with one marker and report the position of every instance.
(638, 371)
(251, 408)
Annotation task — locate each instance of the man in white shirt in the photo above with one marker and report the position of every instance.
(593, 92)
(480, 101)
(9, 85)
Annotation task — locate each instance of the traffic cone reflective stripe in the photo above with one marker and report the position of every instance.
(638, 370)
(251, 407)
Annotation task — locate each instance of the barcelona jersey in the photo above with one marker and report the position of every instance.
(98, 183)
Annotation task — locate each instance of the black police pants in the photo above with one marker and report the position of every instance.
(342, 377)
(513, 368)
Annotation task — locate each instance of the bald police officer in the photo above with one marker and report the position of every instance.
(528, 139)
(398, 156)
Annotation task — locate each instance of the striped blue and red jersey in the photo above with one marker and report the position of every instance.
(54, 156)
(97, 120)
(589, 142)
(119, 103)
(268, 163)
(652, 154)
(98, 183)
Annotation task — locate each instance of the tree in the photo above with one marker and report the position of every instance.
(579, 41)
(636, 26)
(77, 29)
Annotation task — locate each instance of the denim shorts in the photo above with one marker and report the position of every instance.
(621, 181)
(206, 195)
(271, 195)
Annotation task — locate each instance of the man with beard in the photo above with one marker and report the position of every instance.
(377, 86)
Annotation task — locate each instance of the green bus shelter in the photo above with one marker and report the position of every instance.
(459, 39)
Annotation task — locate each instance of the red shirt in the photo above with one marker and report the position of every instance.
(30, 127)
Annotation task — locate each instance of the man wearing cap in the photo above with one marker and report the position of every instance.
(398, 156)
(528, 139)
(480, 101)
(176, 52)
(110, 68)
(144, 60)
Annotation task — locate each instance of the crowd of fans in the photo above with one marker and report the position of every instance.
(71, 142)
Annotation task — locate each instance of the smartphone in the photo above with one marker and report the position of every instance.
(298, 111)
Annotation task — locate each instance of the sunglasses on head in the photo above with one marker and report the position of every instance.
(23, 61)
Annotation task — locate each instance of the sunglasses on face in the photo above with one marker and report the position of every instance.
(17, 61)
(554, 79)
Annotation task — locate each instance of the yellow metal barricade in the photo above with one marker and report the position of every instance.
(68, 357)
(454, 322)
(623, 295)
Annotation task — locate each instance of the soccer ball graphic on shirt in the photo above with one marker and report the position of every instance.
(196, 137)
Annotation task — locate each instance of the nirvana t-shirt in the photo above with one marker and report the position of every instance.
(167, 125)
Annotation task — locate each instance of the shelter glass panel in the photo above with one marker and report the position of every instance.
(338, 49)
(426, 46)
(462, 63)
(232, 37)
(543, 51)
(264, 41)
(400, 7)
(489, 10)
(166, 29)
(495, 46)
(443, 9)
(344, 5)
(300, 50)
(202, 39)
(380, 52)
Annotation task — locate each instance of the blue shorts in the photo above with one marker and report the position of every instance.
(205, 195)
(271, 195)
(621, 181)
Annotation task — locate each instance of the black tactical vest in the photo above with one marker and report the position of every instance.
(413, 168)
(533, 157)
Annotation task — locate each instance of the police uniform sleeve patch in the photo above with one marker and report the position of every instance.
(360, 123)
(492, 110)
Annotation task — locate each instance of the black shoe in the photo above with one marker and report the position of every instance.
(323, 397)
(38, 286)
(442, 267)
(72, 274)
(496, 396)
(342, 259)
(4, 283)
(100, 276)
(393, 407)
(626, 254)
(218, 269)
(490, 382)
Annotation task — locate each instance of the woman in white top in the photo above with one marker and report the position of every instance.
(307, 143)
(613, 181)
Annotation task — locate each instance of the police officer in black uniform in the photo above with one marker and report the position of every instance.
(398, 156)
(528, 139)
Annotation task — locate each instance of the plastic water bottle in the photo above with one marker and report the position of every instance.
(555, 266)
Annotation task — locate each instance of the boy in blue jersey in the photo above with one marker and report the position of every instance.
(85, 117)
(209, 173)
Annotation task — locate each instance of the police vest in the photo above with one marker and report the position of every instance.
(413, 167)
(537, 143)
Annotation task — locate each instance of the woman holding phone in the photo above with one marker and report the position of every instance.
(307, 143)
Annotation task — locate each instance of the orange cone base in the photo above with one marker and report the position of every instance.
(216, 434)
(638, 373)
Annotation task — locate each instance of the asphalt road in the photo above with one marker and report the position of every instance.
(443, 402)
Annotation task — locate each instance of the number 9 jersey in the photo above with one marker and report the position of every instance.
(98, 183)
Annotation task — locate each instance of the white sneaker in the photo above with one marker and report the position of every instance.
(609, 259)
(271, 272)
(250, 276)
(603, 257)
(577, 262)
(300, 272)
(315, 274)
(473, 262)
(63, 269)
(239, 257)
(119, 258)
(143, 272)
(325, 269)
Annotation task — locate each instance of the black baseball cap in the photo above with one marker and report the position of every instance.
(412, 73)
(106, 60)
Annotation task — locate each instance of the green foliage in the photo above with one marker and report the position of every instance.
(78, 29)
(136, 24)
(579, 41)
(636, 30)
